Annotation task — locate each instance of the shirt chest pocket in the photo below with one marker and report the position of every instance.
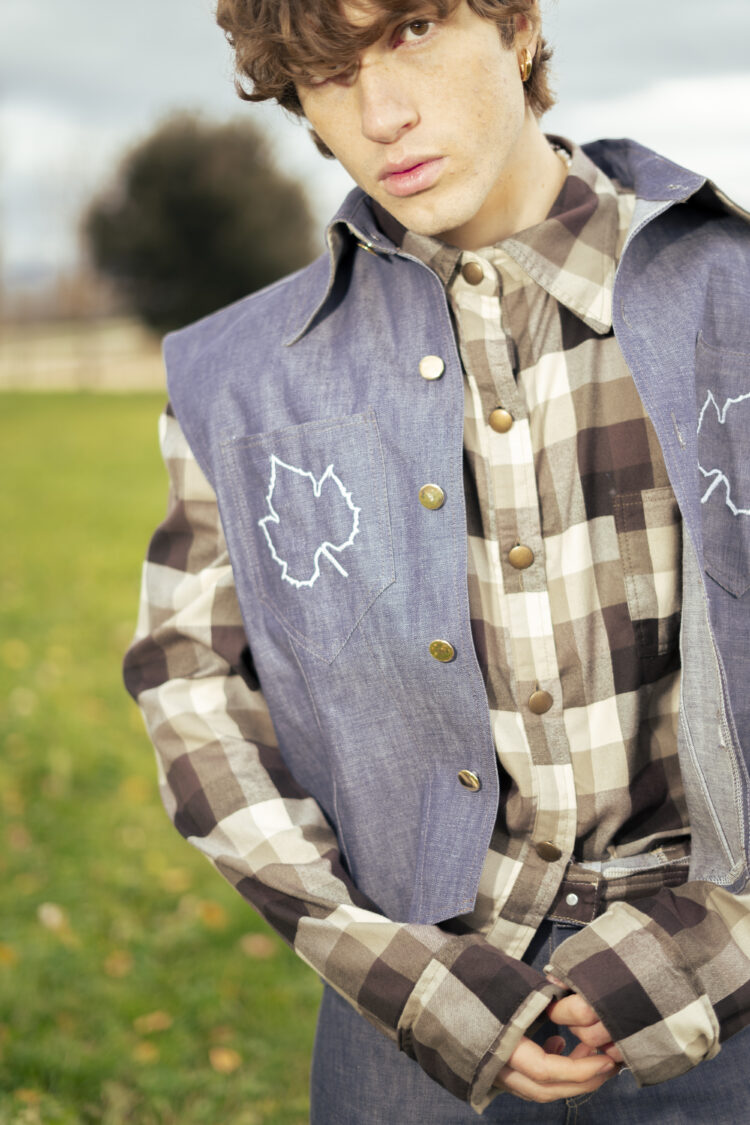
(649, 533)
(306, 514)
(723, 388)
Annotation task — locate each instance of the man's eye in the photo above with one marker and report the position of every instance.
(416, 29)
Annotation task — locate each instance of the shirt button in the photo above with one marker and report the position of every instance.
(500, 420)
(548, 851)
(540, 702)
(473, 273)
(442, 651)
(469, 780)
(571, 900)
(521, 557)
(431, 496)
(431, 367)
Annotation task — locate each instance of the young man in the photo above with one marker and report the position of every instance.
(443, 640)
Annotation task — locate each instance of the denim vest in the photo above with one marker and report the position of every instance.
(319, 407)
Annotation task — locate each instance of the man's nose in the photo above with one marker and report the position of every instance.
(388, 109)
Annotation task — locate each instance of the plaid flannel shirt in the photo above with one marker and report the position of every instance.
(592, 619)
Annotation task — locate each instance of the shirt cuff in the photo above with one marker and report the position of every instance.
(466, 1015)
(634, 976)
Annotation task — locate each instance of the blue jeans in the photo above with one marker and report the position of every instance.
(360, 1078)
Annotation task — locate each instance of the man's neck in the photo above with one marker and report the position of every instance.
(523, 196)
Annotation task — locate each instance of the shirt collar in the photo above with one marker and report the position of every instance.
(572, 254)
(361, 222)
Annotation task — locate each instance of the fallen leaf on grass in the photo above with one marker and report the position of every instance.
(52, 917)
(28, 1097)
(13, 801)
(19, 838)
(8, 955)
(119, 963)
(154, 1021)
(259, 946)
(224, 1060)
(213, 915)
(145, 1052)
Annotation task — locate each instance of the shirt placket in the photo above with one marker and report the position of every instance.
(524, 688)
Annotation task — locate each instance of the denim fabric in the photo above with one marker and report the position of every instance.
(317, 435)
(359, 1078)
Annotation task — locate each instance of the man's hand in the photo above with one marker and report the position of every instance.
(579, 1017)
(542, 1074)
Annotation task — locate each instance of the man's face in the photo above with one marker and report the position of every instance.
(432, 125)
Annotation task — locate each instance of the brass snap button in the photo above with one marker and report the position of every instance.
(540, 702)
(500, 420)
(431, 367)
(473, 273)
(442, 651)
(469, 780)
(431, 496)
(521, 557)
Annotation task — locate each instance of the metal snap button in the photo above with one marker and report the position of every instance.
(521, 557)
(473, 273)
(500, 420)
(442, 651)
(431, 496)
(431, 367)
(540, 702)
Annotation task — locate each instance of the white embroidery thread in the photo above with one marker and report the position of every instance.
(326, 547)
(717, 474)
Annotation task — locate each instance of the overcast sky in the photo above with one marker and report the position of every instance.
(82, 79)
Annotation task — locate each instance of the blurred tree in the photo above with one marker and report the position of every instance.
(198, 216)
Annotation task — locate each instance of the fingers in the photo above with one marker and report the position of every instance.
(596, 1036)
(579, 1017)
(572, 1010)
(532, 1061)
(521, 1086)
(555, 1045)
(541, 1074)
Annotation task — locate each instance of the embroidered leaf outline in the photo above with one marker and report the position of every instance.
(712, 416)
(325, 548)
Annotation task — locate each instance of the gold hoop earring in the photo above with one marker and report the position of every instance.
(526, 64)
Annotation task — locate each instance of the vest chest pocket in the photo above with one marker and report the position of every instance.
(723, 389)
(306, 516)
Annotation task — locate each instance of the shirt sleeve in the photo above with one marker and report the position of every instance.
(455, 1004)
(668, 976)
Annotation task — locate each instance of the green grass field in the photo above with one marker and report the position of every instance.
(135, 986)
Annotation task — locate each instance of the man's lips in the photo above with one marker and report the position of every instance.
(411, 175)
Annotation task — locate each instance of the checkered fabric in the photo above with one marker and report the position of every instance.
(593, 621)
(578, 479)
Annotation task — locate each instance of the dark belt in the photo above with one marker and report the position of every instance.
(584, 894)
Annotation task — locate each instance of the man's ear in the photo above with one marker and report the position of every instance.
(529, 30)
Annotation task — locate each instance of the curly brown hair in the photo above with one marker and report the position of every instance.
(278, 43)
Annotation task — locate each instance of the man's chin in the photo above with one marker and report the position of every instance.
(417, 216)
